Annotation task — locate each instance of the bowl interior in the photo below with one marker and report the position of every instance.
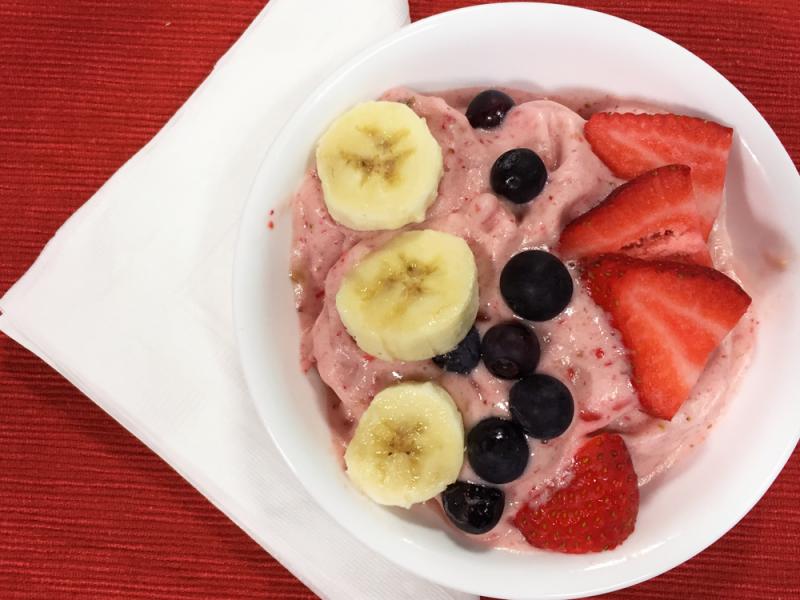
(556, 50)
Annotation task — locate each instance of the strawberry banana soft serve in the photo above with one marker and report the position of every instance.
(522, 315)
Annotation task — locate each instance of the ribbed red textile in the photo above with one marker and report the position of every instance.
(86, 511)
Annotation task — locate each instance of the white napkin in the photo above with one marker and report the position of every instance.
(131, 302)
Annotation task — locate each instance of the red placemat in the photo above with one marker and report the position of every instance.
(86, 510)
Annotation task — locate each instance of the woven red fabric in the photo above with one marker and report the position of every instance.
(86, 510)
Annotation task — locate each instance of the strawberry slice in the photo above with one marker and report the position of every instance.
(671, 315)
(596, 511)
(651, 216)
(630, 144)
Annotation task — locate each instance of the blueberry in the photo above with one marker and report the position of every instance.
(464, 357)
(510, 350)
(542, 405)
(473, 508)
(536, 285)
(519, 175)
(488, 109)
(497, 450)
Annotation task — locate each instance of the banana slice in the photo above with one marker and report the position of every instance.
(408, 446)
(413, 298)
(379, 166)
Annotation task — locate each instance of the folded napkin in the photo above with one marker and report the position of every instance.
(131, 300)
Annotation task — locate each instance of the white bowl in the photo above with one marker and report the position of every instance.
(554, 49)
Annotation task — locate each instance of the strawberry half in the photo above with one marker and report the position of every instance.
(596, 511)
(671, 315)
(651, 216)
(630, 144)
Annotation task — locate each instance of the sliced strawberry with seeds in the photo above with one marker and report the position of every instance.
(596, 511)
(672, 316)
(631, 144)
(651, 216)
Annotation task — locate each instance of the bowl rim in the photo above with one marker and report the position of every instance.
(241, 273)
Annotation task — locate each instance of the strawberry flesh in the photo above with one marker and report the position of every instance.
(597, 509)
(631, 144)
(671, 316)
(652, 216)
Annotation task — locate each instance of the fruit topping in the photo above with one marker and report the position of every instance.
(379, 166)
(408, 445)
(473, 508)
(497, 450)
(631, 144)
(651, 216)
(596, 510)
(671, 315)
(536, 285)
(464, 357)
(510, 350)
(413, 298)
(542, 405)
(488, 109)
(518, 175)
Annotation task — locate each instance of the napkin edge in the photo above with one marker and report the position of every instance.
(212, 494)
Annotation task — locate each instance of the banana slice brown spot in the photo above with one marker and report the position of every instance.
(385, 160)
